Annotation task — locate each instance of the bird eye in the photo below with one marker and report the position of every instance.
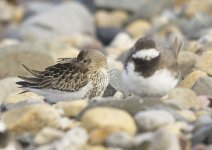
(85, 61)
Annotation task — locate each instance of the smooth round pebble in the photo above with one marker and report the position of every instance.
(153, 119)
(31, 118)
(120, 140)
(71, 108)
(105, 116)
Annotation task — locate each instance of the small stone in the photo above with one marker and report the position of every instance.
(188, 115)
(17, 97)
(120, 44)
(203, 114)
(191, 78)
(81, 41)
(99, 135)
(71, 108)
(113, 19)
(186, 61)
(105, 116)
(179, 128)
(110, 91)
(193, 7)
(138, 28)
(119, 95)
(122, 41)
(56, 23)
(203, 119)
(204, 63)
(107, 34)
(205, 100)
(66, 124)
(203, 135)
(142, 140)
(47, 135)
(153, 119)
(73, 139)
(7, 87)
(193, 46)
(203, 86)
(31, 118)
(166, 140)
(8, 42)
(25, 53)
(183, 98)
(94, 147)
(120, 140)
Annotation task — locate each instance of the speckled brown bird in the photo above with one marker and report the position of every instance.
(86, 76)
(150, 70)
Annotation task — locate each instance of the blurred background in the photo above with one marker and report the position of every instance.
(37, 32)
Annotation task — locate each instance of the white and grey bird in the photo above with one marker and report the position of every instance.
(86, 76)
(150, 70)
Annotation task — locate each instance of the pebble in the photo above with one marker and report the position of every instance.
(66, 123)
(99, 135)
(190, 79)
(107, 34)
(73, 139)
(203, 135)
(17, 97)
(45, 25)
(188, 115)
(31, 118)
(142, 140)
(120, 44)
(183, 98)
(24, 53)
(153, 119)
(203, 86)
(47, 135)
(104, 116)
(112, 19)
(193, 7)
(120, 140)
(94, 147)
(166, 140)
(138, 28)
(205, 62)
(186, 61)
(71, 108)
(7, 87)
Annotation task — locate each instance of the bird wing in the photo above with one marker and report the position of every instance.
(66, 76)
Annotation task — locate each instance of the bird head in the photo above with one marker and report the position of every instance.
(92, 59)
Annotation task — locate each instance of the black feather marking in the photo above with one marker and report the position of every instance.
(32, 72)
(24, 83)
(33, 80)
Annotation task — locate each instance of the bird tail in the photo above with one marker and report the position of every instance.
(177, 46)
(31, 82)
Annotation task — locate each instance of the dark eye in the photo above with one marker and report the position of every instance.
(85, 61)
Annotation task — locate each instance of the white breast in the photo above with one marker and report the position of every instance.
(158, 84)
(54, 95)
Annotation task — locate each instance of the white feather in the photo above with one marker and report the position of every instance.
(146, 54)
(2, 127)
(55, 95)
(158, 84)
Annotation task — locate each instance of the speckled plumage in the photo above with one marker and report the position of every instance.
(150, 70)
(71, 78)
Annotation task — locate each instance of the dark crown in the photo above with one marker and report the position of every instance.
(145, 43)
